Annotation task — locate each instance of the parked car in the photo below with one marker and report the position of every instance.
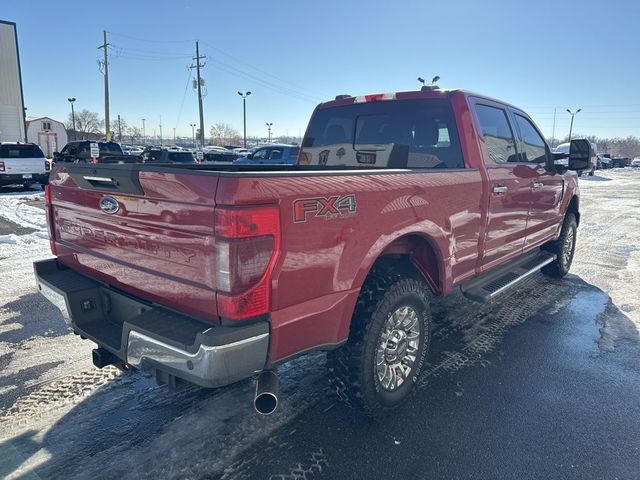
(136, 151)
(604, 161)
(398, 198)
(22, 164)
(620, 162)
(271, 154)
(635, 163)
(163, 155)
(81, 152)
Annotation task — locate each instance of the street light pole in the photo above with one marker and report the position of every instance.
(269, 125)
(73, 116)
(144, 137)
(572, 115)
(244, 114)
(193, 133)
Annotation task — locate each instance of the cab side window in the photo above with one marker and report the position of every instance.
(497, 133)
(276, 154)
(533, 146)
(261, 154)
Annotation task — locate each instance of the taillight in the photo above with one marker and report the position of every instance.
(247, 241)
(49, 212)
(1, 166)
(47, 166)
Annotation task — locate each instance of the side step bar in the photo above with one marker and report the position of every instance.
(487, 286)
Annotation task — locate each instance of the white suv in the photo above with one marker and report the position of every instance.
(22, 163)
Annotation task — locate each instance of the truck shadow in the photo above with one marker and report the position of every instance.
(33, 317)
(130, 428)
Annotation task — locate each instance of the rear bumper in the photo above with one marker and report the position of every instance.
(11, 179)
(152, 338)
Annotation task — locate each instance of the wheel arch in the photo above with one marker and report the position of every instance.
(574, 207)
(417, 252)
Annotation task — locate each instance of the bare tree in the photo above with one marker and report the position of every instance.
(86, 122)
(224, 134)
(133, 133)
(622, 147)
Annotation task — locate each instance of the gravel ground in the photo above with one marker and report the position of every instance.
(542, 383)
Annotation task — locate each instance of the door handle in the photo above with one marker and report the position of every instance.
(537, 185)
(498, 189)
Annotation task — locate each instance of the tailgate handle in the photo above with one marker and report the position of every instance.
(100, 181)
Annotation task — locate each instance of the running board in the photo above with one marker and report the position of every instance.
(487, 286)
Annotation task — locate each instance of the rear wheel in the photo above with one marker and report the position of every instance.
(377, 368)
(564, 248)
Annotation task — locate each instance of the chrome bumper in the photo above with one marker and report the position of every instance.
(152, 338)
(211, 366)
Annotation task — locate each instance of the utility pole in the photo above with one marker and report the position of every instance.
(198, 66)
(193, 133)
(144, 137)
(160, 130)
(553, 132)
(269, 125)
(174, 135)
(119, 130)
(105, 48)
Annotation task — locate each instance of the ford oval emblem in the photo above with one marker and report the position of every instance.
(109, 205)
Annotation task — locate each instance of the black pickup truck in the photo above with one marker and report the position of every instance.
(80, 152)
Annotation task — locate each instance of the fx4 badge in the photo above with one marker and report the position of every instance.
(325, 207)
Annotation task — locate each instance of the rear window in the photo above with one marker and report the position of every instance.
(293, 153)
(20, 151)
(180, 157)
(387, 134)
(109, 148)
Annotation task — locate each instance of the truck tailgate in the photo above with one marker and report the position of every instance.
(148, 233)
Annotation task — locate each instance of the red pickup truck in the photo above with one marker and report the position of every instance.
(212, 274)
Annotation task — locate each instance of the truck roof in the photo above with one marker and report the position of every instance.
(423, 93)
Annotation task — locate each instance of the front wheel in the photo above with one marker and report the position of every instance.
(377, 368)
(564, 248)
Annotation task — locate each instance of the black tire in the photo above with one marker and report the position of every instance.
(592, 173)
(353, 373)
(564, 247)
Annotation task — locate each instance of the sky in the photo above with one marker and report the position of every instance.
(291, 55)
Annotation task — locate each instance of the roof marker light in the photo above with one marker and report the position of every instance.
(375, 97)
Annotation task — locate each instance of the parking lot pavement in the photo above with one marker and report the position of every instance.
(542, 383)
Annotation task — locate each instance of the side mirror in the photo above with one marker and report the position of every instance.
(250, 156)
(580, 155)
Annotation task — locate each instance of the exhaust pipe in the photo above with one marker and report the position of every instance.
(266, 398)
(102, 357)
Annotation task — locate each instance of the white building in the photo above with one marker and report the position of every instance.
(11, 101)
(49, 134)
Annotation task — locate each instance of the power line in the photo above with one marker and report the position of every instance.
(264, 72)
(184, 95)
(138, 39)
(271, 86)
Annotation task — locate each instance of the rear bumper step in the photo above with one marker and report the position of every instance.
(486, 287)
(145, 336)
